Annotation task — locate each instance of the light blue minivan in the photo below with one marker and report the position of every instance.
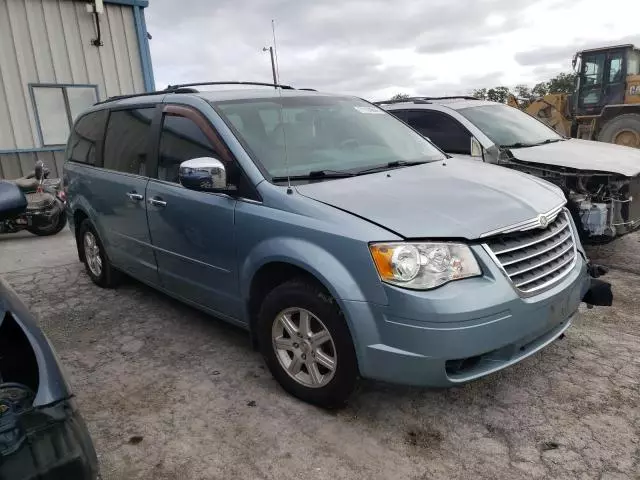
(344, 241)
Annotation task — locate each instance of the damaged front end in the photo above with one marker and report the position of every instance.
(604, 205)
(42, 434)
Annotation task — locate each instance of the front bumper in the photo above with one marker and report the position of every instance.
(462, 331)
(46, 443)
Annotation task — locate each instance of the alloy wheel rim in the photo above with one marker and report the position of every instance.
(304, 347)
(92, 254)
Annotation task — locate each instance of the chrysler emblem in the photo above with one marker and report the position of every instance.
(543, 221)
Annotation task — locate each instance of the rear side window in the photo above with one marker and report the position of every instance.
(86, 136)
(444, 131)
(127, 140)
(181, 139)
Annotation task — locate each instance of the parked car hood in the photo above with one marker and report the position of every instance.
(456, 198)
(584, 155)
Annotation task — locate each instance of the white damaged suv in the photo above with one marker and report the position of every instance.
(600, 180)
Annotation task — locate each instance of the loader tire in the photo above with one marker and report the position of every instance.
(622, 130)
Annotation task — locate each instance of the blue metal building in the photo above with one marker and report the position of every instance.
(56, 58)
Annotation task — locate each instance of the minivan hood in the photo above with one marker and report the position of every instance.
(584, 155)
(456, 198)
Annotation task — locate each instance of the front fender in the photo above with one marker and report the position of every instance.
(306, 255)
(325, 267)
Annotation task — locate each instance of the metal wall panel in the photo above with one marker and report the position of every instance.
(132, 44)
(14, 165)
(19, 131)
(49, 41)
(10, 166)
(17, 13)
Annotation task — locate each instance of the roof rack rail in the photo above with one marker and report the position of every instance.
(401, 100)
(132, 95)
(187, 88)
(423, 99)
(451, 97)
(260, 84)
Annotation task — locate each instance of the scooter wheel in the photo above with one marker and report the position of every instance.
(45, 231)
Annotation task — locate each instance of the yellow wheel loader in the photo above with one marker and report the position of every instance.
(605, 105)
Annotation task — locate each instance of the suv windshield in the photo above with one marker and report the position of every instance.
(322, 133)
(509, 127)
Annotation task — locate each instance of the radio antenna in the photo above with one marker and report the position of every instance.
(275, 49)
(280, 110)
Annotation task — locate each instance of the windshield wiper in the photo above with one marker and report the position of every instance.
(518, 145)
(316, 175)
(525, 145)
(394, 164)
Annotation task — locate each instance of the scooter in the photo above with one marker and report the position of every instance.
(44, 213)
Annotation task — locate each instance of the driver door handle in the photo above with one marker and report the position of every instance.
(135, 197)
(157, 202)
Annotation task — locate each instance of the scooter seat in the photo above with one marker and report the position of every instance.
(26, 184)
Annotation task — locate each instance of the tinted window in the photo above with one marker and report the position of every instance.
(181, 139)
(87, 134)
(444, 131)
(126, 143)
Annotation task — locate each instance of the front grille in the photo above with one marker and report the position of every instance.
(536, 259)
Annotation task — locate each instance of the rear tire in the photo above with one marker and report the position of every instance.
(322, 365)
(622, 130)
(95, 257)
(50, 229)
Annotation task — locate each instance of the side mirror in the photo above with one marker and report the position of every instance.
(12, 200)
(477, 150)
(204, 174)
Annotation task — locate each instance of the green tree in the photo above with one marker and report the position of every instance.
(522, 92)
(400, 96)
(480, 93)
(498, 94)
(562, 83)
(540, 89)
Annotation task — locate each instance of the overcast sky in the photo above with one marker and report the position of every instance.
(376, 48)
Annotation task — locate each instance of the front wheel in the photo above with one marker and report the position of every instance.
(307, 345)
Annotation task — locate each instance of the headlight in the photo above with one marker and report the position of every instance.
(421, 266)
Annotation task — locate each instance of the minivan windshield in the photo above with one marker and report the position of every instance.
(509, 127)
(323, 134)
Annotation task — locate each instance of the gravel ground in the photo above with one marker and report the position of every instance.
(170, 393)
